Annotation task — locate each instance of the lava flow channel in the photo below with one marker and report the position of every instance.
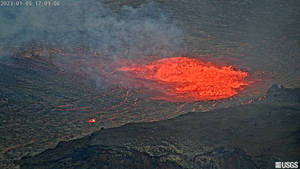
(190, 79)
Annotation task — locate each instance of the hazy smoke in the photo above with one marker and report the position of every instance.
(115, 31)
(124, 32)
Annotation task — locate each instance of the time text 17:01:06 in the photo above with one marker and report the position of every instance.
(29, 3)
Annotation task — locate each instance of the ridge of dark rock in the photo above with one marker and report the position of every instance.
(248, 136)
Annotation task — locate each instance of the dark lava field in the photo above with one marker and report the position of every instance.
(64, 104)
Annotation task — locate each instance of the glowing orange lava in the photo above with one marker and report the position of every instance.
(187, 78)
(92, 120)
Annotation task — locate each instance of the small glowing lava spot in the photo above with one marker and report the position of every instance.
(183, 79)
(92, 120)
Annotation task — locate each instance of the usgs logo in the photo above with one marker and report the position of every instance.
(286, 164)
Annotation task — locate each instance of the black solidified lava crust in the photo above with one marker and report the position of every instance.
(249, 136)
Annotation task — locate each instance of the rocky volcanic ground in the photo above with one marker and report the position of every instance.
(249, 136)
(49, 89)
(42, 105)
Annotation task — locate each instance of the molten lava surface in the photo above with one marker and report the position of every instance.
(185, 78)
(93, 120)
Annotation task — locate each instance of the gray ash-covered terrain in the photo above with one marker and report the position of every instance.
(58, 84)
(250, 136)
